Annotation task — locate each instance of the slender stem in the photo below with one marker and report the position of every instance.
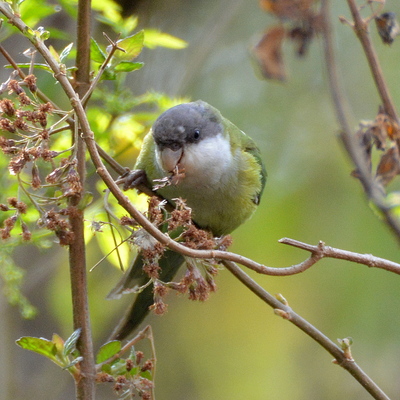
(22, 75)
(85, 386)
(310, 330)
(330, 252)
(340, 105)
(361, 29)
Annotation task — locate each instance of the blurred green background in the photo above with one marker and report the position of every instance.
(233, 346)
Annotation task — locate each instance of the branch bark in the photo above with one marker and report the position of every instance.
(372, 191)
(85, 386)
(287, 313)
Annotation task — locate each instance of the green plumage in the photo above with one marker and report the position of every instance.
(223, 181)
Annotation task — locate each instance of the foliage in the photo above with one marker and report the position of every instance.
(129, 375)
(41, 156)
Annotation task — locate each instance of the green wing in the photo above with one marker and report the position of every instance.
(251, 148)
(135, 277)
(240, 139)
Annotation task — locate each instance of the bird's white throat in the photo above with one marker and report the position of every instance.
(207, 162)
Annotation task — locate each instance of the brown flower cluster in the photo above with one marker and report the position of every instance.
(159, 307)
(299, 21)
(383, 134)
(27, 122)
(131, 377)
(198, 286)
(55, 222)
(181, 227)
(19, 208)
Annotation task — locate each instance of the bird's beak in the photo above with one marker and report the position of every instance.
(170, 158)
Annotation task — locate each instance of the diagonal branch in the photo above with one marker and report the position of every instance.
(361, 29)
(286, 312)
(323, 251)
(372, 191)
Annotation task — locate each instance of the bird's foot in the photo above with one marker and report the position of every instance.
(133, 179)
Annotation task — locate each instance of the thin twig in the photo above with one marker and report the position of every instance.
(22, 75)
(103, 67)
(340, 105)
(85, 386)
(361, 29)
(143, 334)
(287, 313)
(330, 252)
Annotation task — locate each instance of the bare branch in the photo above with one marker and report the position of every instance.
(371, 189)
(360, 27)
(323, 251)
(286, 312)
(85, 386)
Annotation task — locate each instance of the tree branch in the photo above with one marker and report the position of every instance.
(371, 189)
(85, 386)
(361, 29)
(323, 251)
(286, 312)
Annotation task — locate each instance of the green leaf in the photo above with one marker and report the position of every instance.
(108, 350)
(66, 51)
(127, 66)
(154, 38)
(38, 345)
(32, 12)
(96, 54)
(70, 343)
(27, 65)
(59, 343)
(146, 374)
(73, 362)
(54, 53)
(134, 371)
(123, 25)
(109, 75)
(13, 278)
(132, 45)
(44, 35)
(118, 367)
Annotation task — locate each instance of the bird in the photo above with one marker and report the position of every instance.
(215, 167)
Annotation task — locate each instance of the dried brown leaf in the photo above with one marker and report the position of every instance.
(389, 166)
(288, 9)
(268, 53)
(388, 27)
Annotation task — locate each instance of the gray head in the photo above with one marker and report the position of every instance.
(186, 123)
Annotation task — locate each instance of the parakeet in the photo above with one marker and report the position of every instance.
(215, 167)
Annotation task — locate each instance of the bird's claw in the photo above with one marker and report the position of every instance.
(133, 179)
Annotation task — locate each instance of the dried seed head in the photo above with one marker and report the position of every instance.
(36, 182)
(24, 99)
(7, 107)
(6, 125)
(30, 80)
(14, 86)
(46, 107)
(20, 206)
(26, 234)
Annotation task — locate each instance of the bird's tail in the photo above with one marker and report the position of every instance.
(134, 278)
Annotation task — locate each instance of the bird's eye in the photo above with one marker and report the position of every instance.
(196, 134)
